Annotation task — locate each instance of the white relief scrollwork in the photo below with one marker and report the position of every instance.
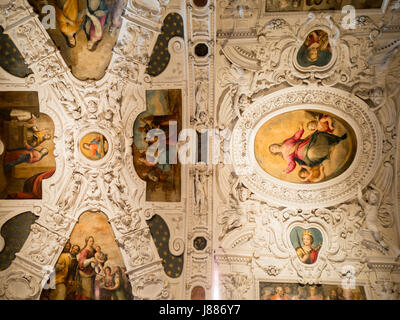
(33, 43)
(138, 247)
(386, 290)
(18, 285)
(150, 287)
(68, 198)
(116, 192)
(93, 193)
(371, 206)
(352, 110)
(134, 44)
(200, 117)
(235, 286)
(200, 173)
(43, 245)
(56, 220)
(241, 208)
(77, 108)
(127, 71)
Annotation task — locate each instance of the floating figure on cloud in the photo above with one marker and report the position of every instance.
(69, 19)
(96, 19)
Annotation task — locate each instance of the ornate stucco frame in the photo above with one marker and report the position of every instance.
(342, 188)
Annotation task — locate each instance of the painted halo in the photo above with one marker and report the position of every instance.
(350, 114)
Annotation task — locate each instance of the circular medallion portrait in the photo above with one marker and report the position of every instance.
(305, 146)
(94, 146)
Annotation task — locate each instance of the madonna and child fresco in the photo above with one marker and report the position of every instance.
(305, 146)
(91, 265)
(26, 152)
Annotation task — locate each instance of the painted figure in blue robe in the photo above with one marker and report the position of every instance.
(93, 147)
(316, 50)
(96, 19)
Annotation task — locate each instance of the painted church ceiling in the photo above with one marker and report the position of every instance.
(308, 180)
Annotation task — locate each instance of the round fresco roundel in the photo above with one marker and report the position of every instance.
(305, 146)
(94, 146)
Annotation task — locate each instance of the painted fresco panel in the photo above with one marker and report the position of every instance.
(316, 50)
(307, 5)
(305, 146)
(86, 32)
(26, 152)
(307, 243)
(163, 120)
(91, 266)
(295, 291)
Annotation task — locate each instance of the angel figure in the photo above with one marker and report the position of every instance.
(371, 210)
(115, 191)
(69, 19)
(68, 199)
(230, 219)
(314, 174)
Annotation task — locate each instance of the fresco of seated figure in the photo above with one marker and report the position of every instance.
(27, 153)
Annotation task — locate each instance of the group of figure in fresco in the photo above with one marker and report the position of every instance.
(29, 153)
(299, 292)
(157, 166)
(84, 275)
(308, 5)
(309, 152)
(93, 19)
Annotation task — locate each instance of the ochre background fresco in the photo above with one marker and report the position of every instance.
(96, 224)
(285, 126)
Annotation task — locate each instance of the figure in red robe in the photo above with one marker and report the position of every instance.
(306, 253)
(33, 186)
(26, 154)
(86, 271)
(310, 152)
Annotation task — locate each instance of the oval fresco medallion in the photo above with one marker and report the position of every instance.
(94, 146)
(305, 146)
(307, 243)
(316, 50)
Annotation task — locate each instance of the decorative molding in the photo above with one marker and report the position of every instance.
(352, 110)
